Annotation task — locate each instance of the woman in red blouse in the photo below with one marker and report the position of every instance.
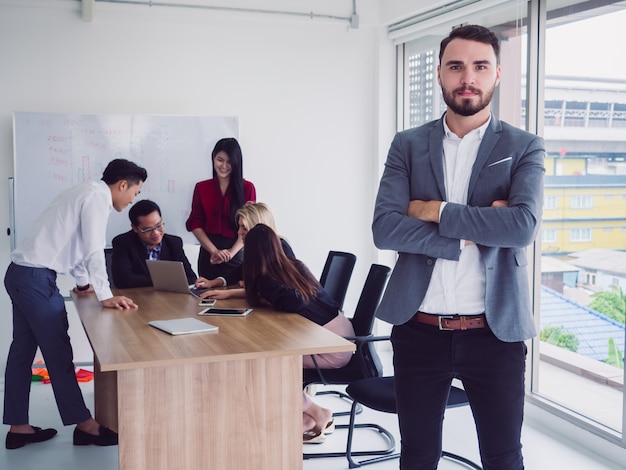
(213, 211)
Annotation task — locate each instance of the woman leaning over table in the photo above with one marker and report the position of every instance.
(286, 284)
(251, 214)
(213, 211)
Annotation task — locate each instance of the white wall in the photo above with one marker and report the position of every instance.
(307, 92)
(316, 100)
(392, 11)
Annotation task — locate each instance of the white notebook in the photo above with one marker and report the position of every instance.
(182, 326)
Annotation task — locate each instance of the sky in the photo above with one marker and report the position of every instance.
(590, 48)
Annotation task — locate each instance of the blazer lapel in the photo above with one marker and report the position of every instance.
(165, 248)
(490, 139)
(141, 254)
(435, 150)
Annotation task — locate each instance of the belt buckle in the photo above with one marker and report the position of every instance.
(444, 317)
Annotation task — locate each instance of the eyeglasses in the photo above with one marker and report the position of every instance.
(160, 227)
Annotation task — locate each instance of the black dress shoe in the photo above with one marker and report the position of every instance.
(15, 440)
(106, 437)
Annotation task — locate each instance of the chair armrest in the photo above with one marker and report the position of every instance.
(358, 340)
(371, 339)
(366, 339)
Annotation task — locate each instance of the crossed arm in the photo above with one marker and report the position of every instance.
(428, 211)
(407, 223)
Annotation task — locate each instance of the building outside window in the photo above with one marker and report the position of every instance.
(580, 235)
(581, 202)
(548, 236)
(550, 202)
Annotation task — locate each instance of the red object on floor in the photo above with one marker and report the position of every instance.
(41, 374)
(83, 375)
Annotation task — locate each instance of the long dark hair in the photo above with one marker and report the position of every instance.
(264, 257)
(231, 147)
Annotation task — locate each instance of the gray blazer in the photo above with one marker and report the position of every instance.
(509, 166)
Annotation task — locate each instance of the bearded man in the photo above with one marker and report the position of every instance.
(460, 199)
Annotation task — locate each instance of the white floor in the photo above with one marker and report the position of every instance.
(541, 451)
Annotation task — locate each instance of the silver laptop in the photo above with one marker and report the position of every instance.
(182, 326)
(170, 276)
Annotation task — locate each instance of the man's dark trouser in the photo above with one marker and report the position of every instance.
(39, 319)
(426, 360)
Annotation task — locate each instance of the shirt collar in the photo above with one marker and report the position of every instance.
(156, 250)
(108, 191)
(479, 131)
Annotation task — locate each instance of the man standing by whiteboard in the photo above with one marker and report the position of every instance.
(69, 236)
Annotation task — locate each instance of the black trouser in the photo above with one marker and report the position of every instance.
(426, 360)
(211, 271)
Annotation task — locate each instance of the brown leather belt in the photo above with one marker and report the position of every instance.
(451, 322)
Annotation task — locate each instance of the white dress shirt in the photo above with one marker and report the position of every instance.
(458, 287)
(70, 236)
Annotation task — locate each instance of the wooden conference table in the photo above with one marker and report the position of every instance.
(217, 401)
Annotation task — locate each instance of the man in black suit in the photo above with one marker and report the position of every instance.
(146, 240)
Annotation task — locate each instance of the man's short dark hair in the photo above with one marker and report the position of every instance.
(121, 169)
(472, 32)
(141, 208)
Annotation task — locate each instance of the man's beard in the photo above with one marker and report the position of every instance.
(466, 108)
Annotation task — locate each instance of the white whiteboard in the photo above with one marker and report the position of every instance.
(53, 152)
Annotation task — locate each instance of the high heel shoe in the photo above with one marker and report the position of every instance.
(330, 427)
(313, 437)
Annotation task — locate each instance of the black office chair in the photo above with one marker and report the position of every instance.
(108, 255)
(336, 274)
(365, 362)
(378, 393)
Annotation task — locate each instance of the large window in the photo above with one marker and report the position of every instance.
(589, 314)
(570, 88)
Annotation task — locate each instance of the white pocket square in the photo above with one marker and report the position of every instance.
(500, 161)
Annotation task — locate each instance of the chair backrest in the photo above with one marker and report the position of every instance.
(365, 362)
(363, 319)
(108, 255)
(364, 316)
(336, 274)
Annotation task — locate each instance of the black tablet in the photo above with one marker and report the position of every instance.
(228, 312)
